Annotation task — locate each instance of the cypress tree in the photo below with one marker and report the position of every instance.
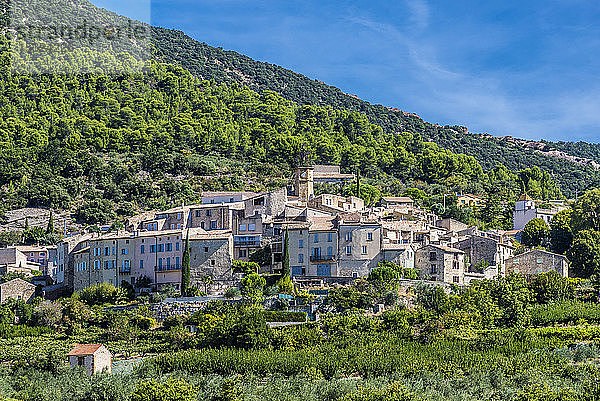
(50, 228)
(185, 265)
(357, 182)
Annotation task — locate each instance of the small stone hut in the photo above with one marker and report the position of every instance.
(95, 358)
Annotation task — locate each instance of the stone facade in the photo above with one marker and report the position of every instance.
(17, 289)
(536, 262)
(482, 249)
(211, 255)
(360, 247)
(94, 358)
(441, 263)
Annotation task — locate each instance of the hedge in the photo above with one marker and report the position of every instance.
(285, 316)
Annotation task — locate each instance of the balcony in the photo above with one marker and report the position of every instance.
(251, 240)
(167, 268)
(322, 258)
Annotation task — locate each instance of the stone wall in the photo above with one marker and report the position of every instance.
(212, 257)
(536, 262)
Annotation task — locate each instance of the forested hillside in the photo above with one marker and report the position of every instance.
(210, 63)
(227, 66)
(108, 144)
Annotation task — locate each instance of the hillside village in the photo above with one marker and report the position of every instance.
(331, 239)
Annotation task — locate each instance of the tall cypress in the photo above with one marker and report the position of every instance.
(50, 228)
(357, 182)
(185, 265)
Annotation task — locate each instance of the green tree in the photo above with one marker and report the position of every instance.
(586, 211)
(206, 280)
(561, 234)
(584, 254)
(252, 287)
(185, 265)
(50, 227)
(384, 278)
(535, 233)
(551, 286)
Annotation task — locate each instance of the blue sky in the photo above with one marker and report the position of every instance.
(527, 69)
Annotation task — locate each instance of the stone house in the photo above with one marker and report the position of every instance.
(94, 358)
(479, 250)
(17, 289)
(247, 234)
(469, 200)
(336, 203)
(397, 201)
(537, 261)
(13, 260)
(36, 254)
(211, 254)
(359, 246)
(441, 263)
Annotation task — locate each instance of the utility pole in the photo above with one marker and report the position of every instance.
(445, 203)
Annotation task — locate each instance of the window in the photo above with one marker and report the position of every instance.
(316, 237)
(455, 279)
(168, 247)
(205, 249)
(168, 263)
(252, 227)
(213, 224)
(142, 249)
(212, 262)
(152, 248)
(349, 236)
(329, 237)
(209, 213)
(230, 200)
(539, 260)
(242, 253)
(179, 216)
(316, 252)
(329, 251)
(141, 263)
(433, 269)
(126, 265)
(114, 251)
(242, 227)
(259, 201)
(300, 243)
(369, 236)
(349, 250)
(106, 265)
(160, 262)
(106, 251)
(177, 262)
(300, 258)
(364, 250)
(161, 247)
(454, 264)
(198, 213)
(96, 265)
(432, 256)
(124, 251)
(201, 224)
(172, 226)
(177, 246)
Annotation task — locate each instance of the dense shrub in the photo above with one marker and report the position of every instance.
(285, 316)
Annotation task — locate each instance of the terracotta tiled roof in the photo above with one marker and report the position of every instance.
(84, 349)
